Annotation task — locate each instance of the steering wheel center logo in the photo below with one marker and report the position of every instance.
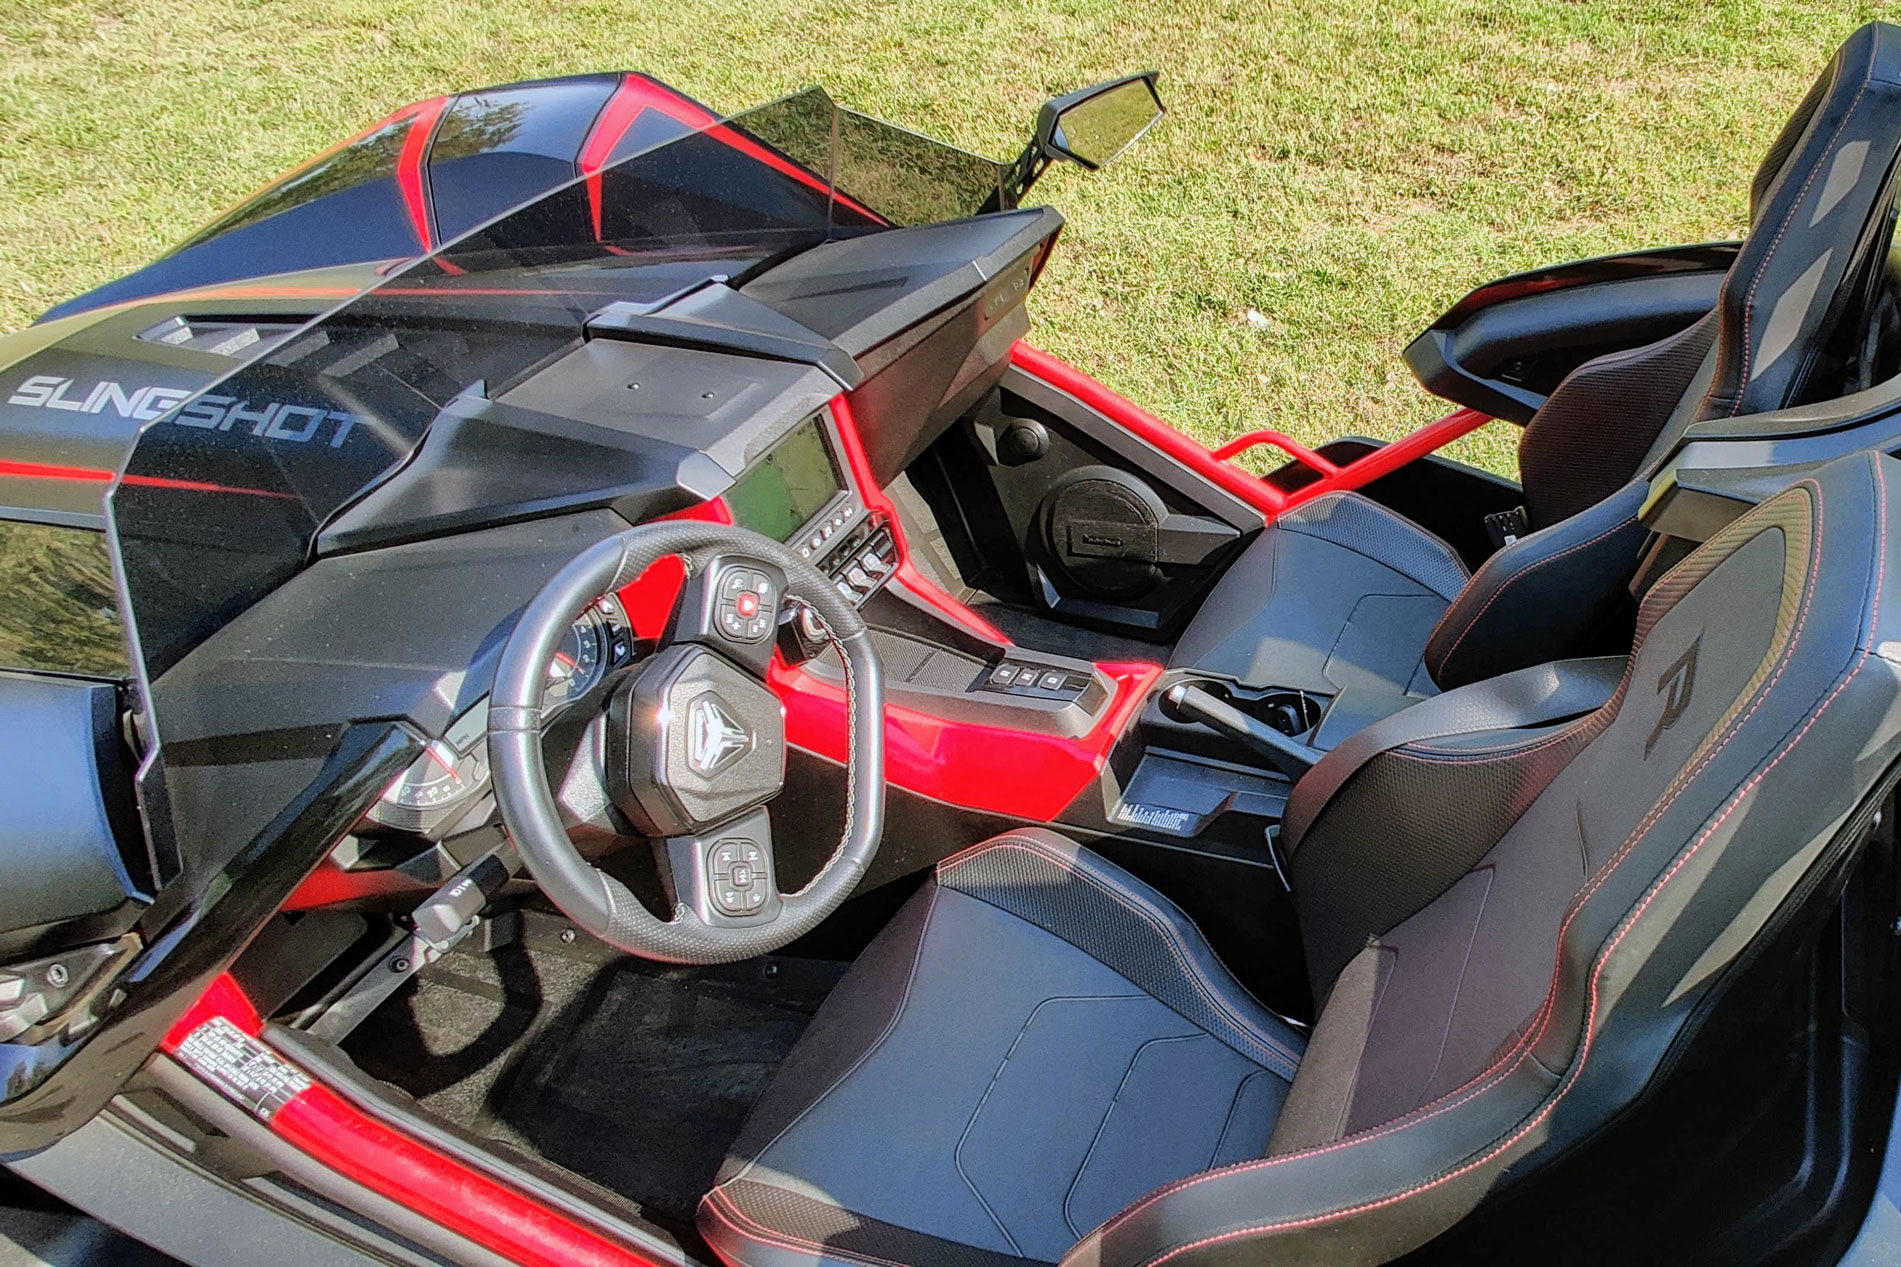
(715, 739)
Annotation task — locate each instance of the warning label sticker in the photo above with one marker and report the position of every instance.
(244, 1069)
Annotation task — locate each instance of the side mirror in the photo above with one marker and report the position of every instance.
(1092, 125)
(1089, 126)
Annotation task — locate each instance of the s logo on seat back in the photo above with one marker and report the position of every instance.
(1679, 680)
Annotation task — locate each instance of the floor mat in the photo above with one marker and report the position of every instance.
(636, 1075)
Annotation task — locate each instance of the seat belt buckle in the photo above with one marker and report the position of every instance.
(1506, 526)
(1273, 835)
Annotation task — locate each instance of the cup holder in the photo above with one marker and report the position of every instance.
(1293, 713)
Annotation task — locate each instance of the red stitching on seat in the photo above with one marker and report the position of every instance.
(1421, 751)
(1514, 1057)
(1577, 1066)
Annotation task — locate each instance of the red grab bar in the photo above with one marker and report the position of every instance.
(1214, 465)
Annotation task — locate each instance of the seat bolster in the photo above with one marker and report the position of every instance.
(767, 1225)
(1393, 817)
(1601, 426)
(1363, 525)
(1536, 696)
(1108, 914)
(1559, 593)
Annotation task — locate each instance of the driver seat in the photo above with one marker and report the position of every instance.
(1040, 1059)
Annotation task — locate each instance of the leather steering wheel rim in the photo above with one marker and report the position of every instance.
(592, 898)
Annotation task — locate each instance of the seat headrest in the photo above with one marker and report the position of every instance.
(1816, 205)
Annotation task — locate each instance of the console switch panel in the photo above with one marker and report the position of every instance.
(1034, 681)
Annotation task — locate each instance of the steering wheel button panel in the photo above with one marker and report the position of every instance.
(747, 603)
(738, 878)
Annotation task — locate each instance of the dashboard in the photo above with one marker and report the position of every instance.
(800, 493)
(788, 488)
(443, 789)
(392, 609)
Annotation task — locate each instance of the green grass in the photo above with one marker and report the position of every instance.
(1343, 168)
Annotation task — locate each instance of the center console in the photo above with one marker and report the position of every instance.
(985, 733)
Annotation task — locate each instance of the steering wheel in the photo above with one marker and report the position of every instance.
(694, 746)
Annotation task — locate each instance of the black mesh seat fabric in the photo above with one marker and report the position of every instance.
(1336, 595)
(1039, 1060)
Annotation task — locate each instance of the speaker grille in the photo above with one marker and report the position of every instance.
(1105, 537)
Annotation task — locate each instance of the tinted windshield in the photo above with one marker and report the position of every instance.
(221, 500)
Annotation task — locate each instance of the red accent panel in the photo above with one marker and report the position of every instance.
(223, 998)
(88, 475)
(1011, 772)
(324, 1125)
(329, 1128)
(423, 117)
(649, 598)
(331, 885)
(905, 573)
(1264, 497)
(635, 95)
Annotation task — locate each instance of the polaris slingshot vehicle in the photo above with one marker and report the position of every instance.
(574, 692)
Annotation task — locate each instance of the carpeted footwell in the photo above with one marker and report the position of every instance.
(634, 1074)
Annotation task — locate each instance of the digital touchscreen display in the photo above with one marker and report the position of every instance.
(794, 482)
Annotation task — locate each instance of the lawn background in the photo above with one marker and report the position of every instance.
(1345, 169)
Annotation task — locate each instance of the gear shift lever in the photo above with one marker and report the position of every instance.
(1290, 756)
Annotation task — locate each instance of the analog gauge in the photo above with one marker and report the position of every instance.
(439, 778)
(577, 662)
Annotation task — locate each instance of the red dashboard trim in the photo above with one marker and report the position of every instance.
(906, 573)
(1016, 773)
(649, 598)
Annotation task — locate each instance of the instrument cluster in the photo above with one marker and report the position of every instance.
(451, 777)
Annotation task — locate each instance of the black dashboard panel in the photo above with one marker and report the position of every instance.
(930, 313)
(415, 583)
(641, 428)
(410, 633)
(865, 291)
(665, 405)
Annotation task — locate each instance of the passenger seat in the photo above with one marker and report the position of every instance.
(1341, 592)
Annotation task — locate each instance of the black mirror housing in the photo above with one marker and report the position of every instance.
(1092, 125)
(1089, 126)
